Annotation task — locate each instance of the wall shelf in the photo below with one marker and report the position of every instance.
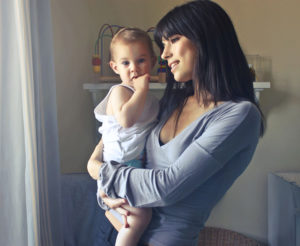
(99, 90)
(116, 79)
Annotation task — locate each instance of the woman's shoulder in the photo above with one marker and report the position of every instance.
(241, 114)
(235, 114)
(240, 107)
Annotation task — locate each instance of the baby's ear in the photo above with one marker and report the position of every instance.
(114, 67)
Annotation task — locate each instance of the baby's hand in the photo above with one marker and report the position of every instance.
(141, 82)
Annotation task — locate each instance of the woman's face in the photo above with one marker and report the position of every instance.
(180, 52)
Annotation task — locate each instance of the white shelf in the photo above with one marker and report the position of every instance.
(98, 87)
(261, 85)
(159, 86)
(116, 79)
(105, 86)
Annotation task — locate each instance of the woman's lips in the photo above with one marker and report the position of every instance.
(173, 65)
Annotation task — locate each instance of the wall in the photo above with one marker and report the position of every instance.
(268, 28)
(73, 45)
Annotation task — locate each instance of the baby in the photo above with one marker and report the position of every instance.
(128, 113)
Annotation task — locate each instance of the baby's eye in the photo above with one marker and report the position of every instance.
(125, 63)
(141, 60)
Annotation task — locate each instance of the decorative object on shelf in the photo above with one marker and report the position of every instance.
(162, 70)
(260, 66)
(98, 53)
(96, 61)
(252, 71)
(254, 62)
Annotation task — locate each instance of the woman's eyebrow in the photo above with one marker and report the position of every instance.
(164, 40)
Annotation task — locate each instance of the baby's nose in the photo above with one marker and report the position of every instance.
(134, 68)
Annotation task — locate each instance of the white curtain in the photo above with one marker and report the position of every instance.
(30, 196)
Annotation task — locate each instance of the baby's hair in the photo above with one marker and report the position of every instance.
(131, 35)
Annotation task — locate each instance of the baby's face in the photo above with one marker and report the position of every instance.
(132, 60)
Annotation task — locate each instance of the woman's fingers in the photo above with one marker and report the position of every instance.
(111, 202)
(114, 203)
(101, 194)
(126, 225)
(122, 211)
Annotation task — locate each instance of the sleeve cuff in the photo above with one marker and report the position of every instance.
(107, 178)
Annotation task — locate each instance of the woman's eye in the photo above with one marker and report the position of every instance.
(174, 39)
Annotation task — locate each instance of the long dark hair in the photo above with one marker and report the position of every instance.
(221, 71)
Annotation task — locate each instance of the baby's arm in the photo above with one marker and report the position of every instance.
(127, 106)
(94, 162)
(93, 168)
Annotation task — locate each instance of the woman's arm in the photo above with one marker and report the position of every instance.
(232, 135)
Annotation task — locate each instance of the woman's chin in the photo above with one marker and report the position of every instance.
(182, 78)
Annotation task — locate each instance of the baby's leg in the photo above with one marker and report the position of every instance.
(138, 221)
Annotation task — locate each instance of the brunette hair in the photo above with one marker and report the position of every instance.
(221, 71)
(131, 35)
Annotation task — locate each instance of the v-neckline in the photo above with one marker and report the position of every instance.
(161, 144)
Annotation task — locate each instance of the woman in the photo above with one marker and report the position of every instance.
(207, 133)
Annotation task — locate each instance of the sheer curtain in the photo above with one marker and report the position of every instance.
(30, 208)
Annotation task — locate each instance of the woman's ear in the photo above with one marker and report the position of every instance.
(114, 67)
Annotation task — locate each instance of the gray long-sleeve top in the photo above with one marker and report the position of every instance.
(187, 176)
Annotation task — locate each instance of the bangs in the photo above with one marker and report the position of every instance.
(169, 26)
(163, 30)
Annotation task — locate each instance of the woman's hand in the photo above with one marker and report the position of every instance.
(116, 204)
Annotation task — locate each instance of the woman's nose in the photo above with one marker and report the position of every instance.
(166, 53)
